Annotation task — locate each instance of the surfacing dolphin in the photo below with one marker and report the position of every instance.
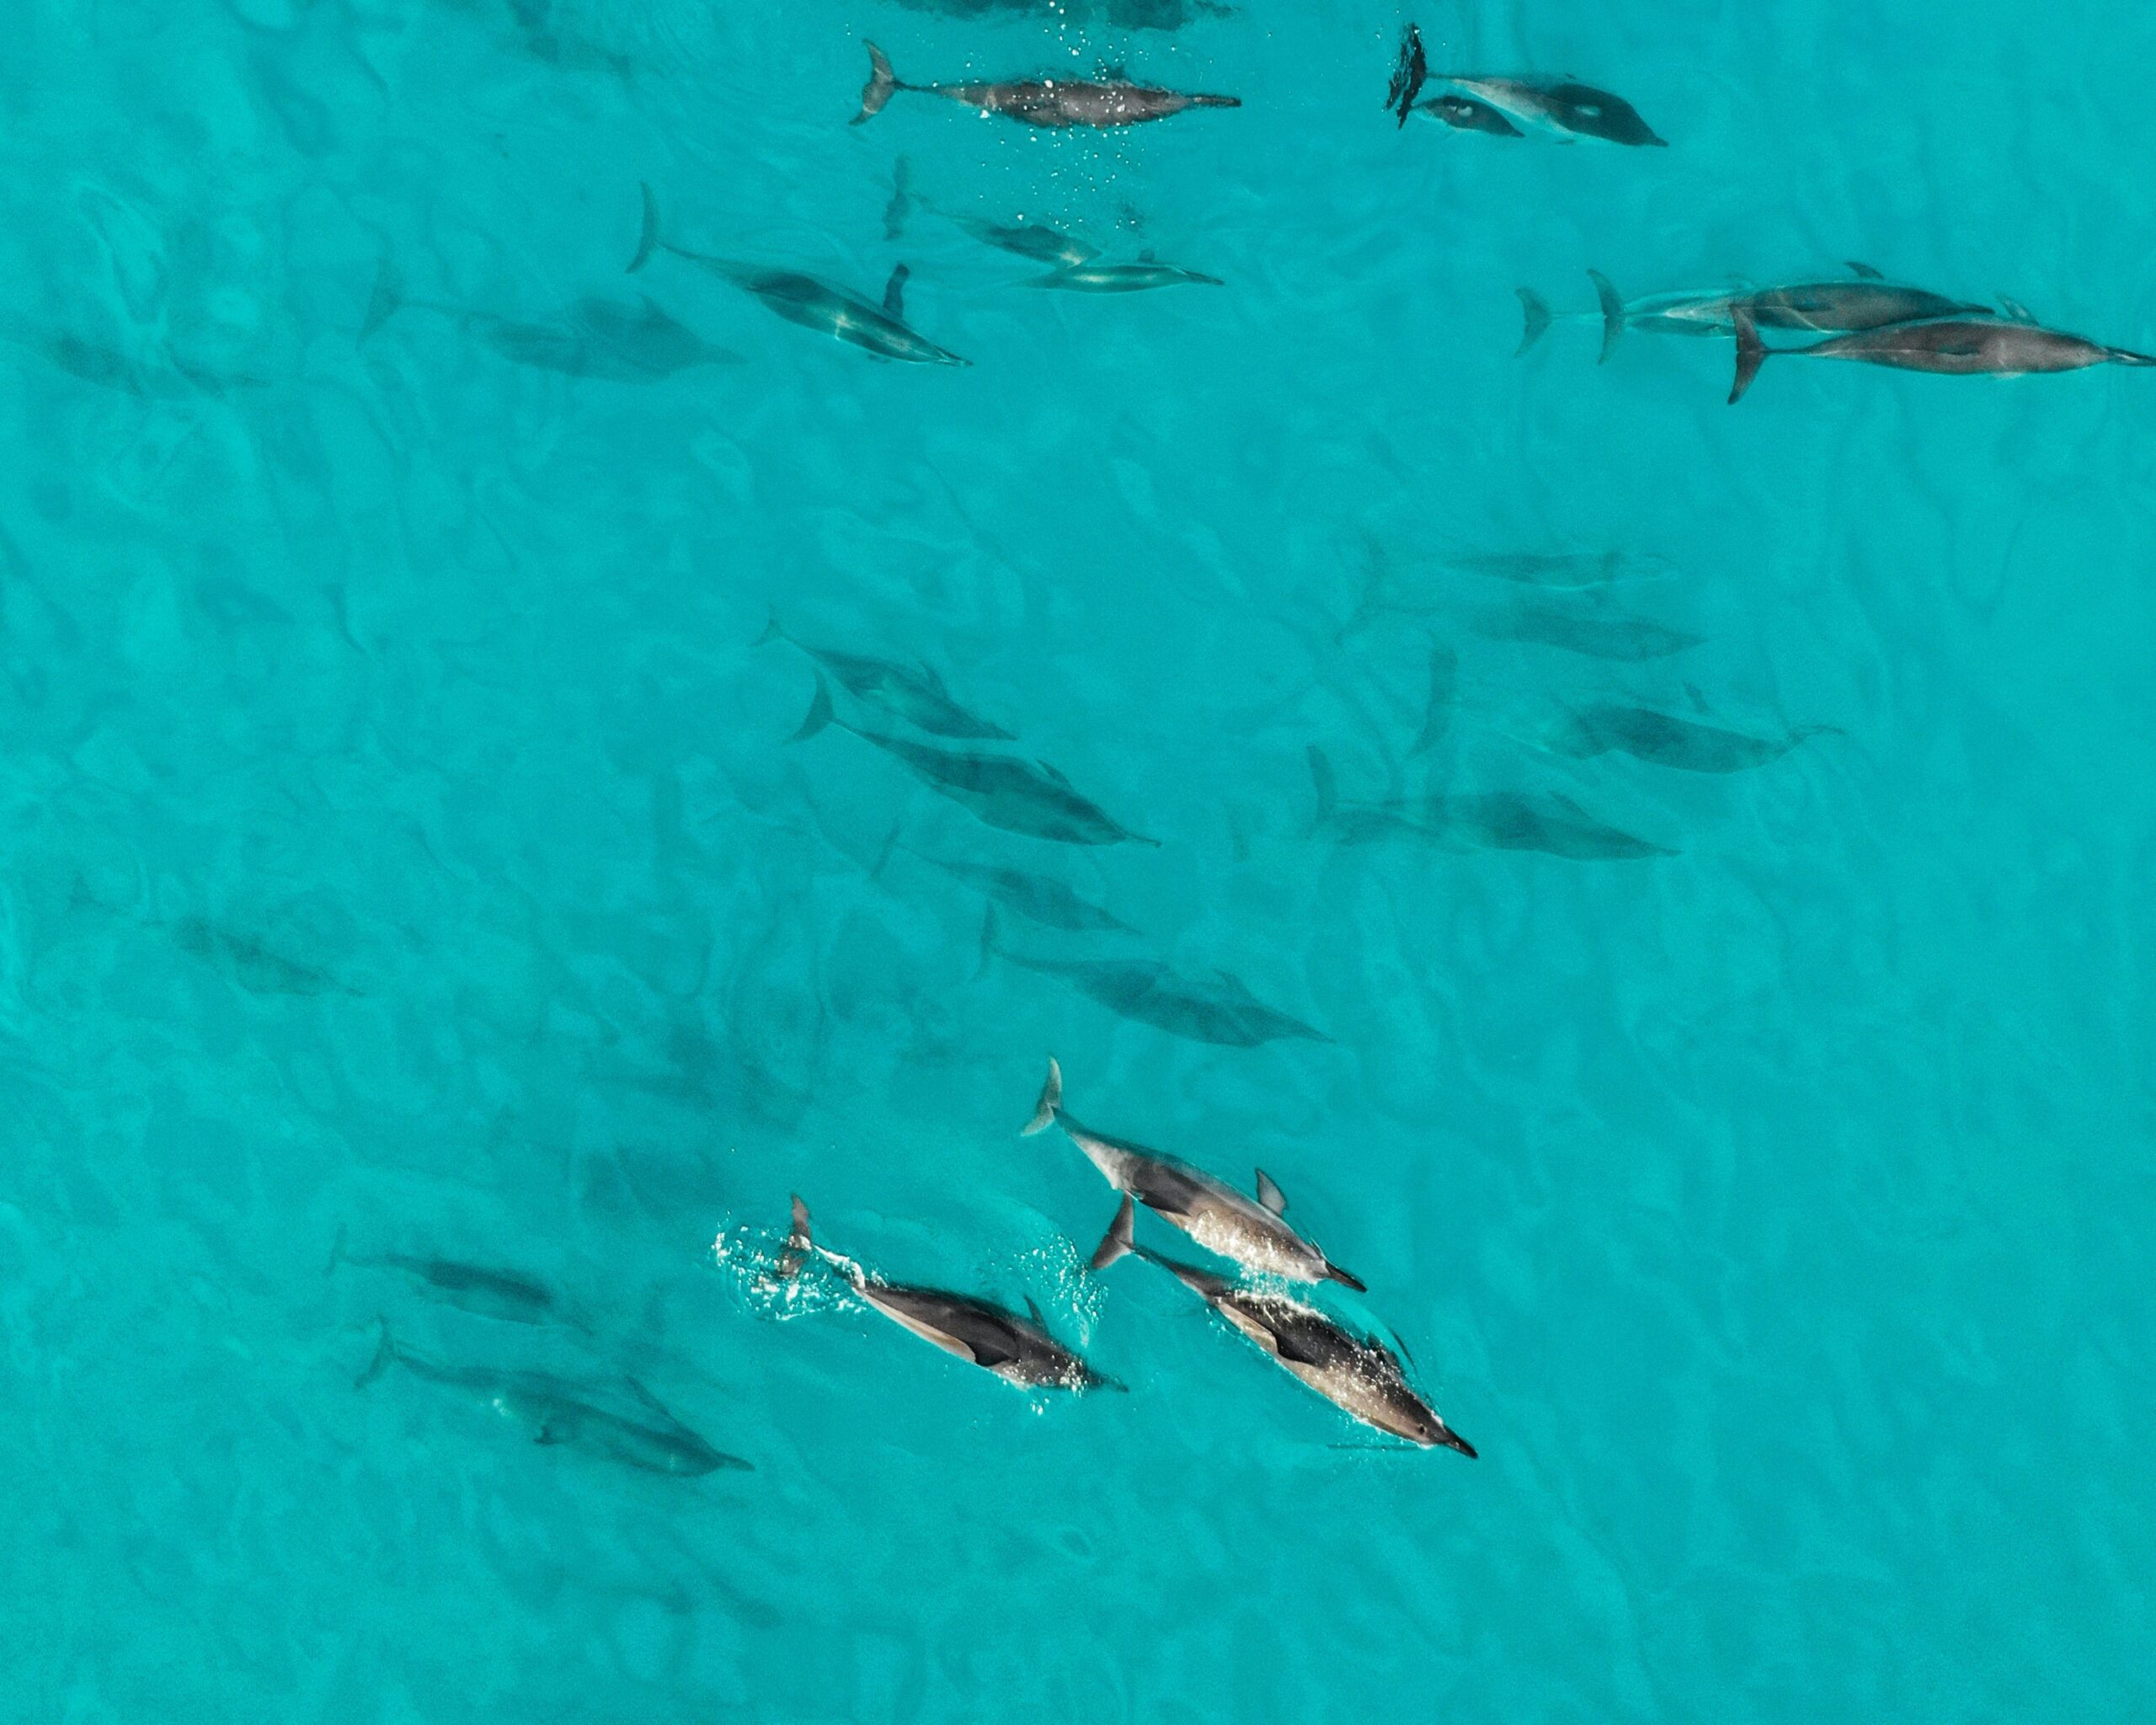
(1363, 1378)
(1950, 347)
(1562, 105)
(911, 692)
(1255, 1233)
(1020, 796)
(1866, 302)
(558, 1410)
(1672, 739)
(812, 303)
(1019, 1350)
(1055, 102)
(1216, 1007)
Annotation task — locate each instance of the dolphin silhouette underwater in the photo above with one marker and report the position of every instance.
(1052, 102)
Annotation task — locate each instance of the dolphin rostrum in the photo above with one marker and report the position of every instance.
(1055, 101)
(1255, 1233)
(1019, 1350)
(881, 331)
(1019, 796)
(1953, 347)
(1360, 1377)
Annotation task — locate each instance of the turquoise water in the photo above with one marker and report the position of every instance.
(401, 838)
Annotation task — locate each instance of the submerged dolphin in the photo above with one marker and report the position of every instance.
(812, 303)
(558, 1411)
(1055, 101)
(1255, 1234)
(1549, 822)
(1217, 1008)
(1558, 104)
(1016, 1349)
(1952, 347)
(507, 1294)
(911, 692)
(1121, 278)
(1019, 796)
(1027, 239)
(1591, 637)
(1361, 1378)
(1671, 740)
(1037, 898)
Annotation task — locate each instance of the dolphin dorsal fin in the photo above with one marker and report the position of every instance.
(1033, 1306)
(1270, 1195)
(1149, 256)
(2016, 311)
(895, 293)
(1865, 272)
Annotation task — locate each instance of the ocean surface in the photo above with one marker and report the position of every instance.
(405, 855)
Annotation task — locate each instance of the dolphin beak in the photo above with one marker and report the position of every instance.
(1453, 1440)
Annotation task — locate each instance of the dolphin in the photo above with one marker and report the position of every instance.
(1027, 239)
(558, 1410)
(507, 1294)
(1952, 347)
(1037, 898)
(1616, 638)
(911, 692)
(1465, 113)
(1121, 278)
(1018, 1350)
(1671, 740)
(1216, 1008)
(1054, 102)
(1550, 822)
(252, 962)
(1255, 1233)
(1444, 695)
(639, 342)
(1837, 307)
(1361, 1378)
(1558, 104)
(1001, 790)
(880, 331)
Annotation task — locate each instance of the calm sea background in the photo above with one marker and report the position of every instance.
(401, 836)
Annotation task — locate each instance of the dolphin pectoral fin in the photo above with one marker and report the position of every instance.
(895, 293)
(1032, 1306)
(1612, 314)
(1864, 272)
(1051, 1098)
(384, 1353)
(1270, 1195)
(820, 712)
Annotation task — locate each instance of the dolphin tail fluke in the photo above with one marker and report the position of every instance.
(384, 299)
(1536, 310)
(1050, 1103)
(385, 1355)
(1750, 355)
(1121, 1239)
(772, 631)
(649, 239)
(882, 84)
(799, 1243)
(820, 712)
(1326, 785)
(1612, 314)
